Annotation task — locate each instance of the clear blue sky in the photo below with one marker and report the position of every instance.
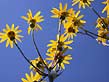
(91, 60)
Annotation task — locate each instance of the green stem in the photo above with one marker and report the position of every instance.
(87, 32)
(59, 29)
(39, 71)
(84, 33)
(42, 79)
(59, 33)
(97, 14)
(38, 51)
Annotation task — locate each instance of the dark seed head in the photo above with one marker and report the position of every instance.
(104, 36)
(11, 35)
(60, 45)
(32, 23)
(85, 1)
(104, 25)
(71, 30)
(39, 64)
(60, 59)
(64, 15)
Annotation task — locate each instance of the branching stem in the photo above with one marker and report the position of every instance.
(97, 14)
(38, 51)
(38, 70)
(59, 35)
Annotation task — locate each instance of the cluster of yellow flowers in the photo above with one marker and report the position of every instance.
(72, 22)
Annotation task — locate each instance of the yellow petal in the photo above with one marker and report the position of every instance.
(68, 57)
(60, 6)
(55, 11)
(29, 30)
(12, 27)
(31, 74)
(62, 65)
(38, 26)
(104, 9)
(68, 42)
(24, 80)
(7, 27)
(77, 14)
(7, 43)
(80, 16)
(30, 13)
(49, 58)
(37, 14)
(17, 38)
(16, 28)
(28, 77)
(3, 39)
(65, 8)
(25, 18)
(55, 16)
(74, 3)
(66, 62)
(11, 44)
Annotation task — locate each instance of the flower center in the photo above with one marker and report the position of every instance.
(71, 30)
(76, 22)
(104, 36)
(63, 15)
(32, 23)
(39, 64)
(11, 35)
(59, 47)
(61, 58)
(104, 25)
(84, 1)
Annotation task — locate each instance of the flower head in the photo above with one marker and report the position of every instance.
(82, 3)
(38, 63)
(10, 34)
(103, 36)
(75, 19)
(70, 30)
(62, 59)
(33, 21)
(102, 23)
(32, 77)
(59, 45)
(106, 8)
(62, 13)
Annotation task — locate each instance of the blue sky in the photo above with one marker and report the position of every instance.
(90, 59)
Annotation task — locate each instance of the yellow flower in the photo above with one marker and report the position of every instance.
(62, 13)
(38, 63)
(62, 59)
(102, 23)
(10, 34)
(75, 19)
(104, 34)
(33, 21)
(59, 44)
(106, 8)
(32, 77)
(82, 3)
(70, 31)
